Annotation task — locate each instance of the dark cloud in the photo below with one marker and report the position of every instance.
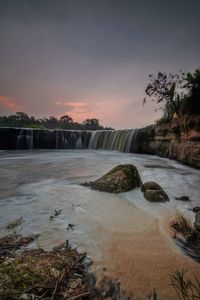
(30, 11)
(93, 50)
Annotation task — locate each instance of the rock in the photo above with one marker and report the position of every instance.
(155, 196)
(153, 192)
(70, 226)
(121, 178)
(196, 209)
(178, 139)
(15, 223)
(183, 198)
(150, 185)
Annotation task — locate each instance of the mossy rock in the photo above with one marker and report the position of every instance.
(150, 185)
(121, 178)
(155, 196)
(153, 192)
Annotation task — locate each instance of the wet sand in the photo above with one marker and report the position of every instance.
(143, 261)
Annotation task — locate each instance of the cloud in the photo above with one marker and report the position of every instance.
(9, 103)
(78, 110)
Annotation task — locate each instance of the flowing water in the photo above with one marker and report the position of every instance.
(26, 138)
(124, 233)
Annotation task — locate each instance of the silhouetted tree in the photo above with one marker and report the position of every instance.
(163, 88)
(192, 84)
(21, 119)
(92, 124)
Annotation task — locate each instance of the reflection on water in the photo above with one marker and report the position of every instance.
(123, 232)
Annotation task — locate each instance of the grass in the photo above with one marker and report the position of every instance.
(186, 288)
(184, 227)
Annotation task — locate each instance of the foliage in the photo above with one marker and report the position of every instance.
(21, 119)
(192, 84)
(184, 227)
(163, 88)
(163, 120)
(175, 94)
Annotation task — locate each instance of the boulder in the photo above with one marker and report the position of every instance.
(150, 185)
(121, 178)
(155, 196)
(153, 192)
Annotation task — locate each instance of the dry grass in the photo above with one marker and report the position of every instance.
(38, 273)
(186, 289)
(184, 227)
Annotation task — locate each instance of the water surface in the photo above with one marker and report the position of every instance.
(124, 233)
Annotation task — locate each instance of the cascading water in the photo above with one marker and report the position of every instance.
(119, 140)
(25, 139)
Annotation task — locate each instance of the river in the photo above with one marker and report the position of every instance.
(123, 233)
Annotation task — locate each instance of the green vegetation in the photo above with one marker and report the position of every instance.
(21, 119)
(175, 94)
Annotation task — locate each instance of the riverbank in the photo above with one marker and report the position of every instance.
(178, 139)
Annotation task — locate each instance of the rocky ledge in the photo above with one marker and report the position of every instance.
(179, 140)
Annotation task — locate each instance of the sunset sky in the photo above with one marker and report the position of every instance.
(92, 58)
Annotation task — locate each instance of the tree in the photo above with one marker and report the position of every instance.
(66, 119)
(66, 122)
(164, 88)
(192, 84)
(21, 119)
(92, 124)
(22, 116)
(52, 122)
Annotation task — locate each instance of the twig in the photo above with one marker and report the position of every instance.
(55, 289)
(56, 285)
(79, 296)
(41, 297)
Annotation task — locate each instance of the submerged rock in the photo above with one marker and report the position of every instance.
(196, 209)
(153, 192)
(15, 223)
(183, 198)
(121, 178)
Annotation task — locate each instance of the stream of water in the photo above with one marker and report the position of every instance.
(122, 232)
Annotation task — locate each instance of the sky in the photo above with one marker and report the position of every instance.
(92, 58)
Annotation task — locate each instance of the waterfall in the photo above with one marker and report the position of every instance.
(119, 140)
(25, 139)
(72, 139)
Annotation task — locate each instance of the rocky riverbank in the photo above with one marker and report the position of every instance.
(179, 140)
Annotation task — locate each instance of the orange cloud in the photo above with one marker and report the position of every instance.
(78, 110)
(9, 103)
